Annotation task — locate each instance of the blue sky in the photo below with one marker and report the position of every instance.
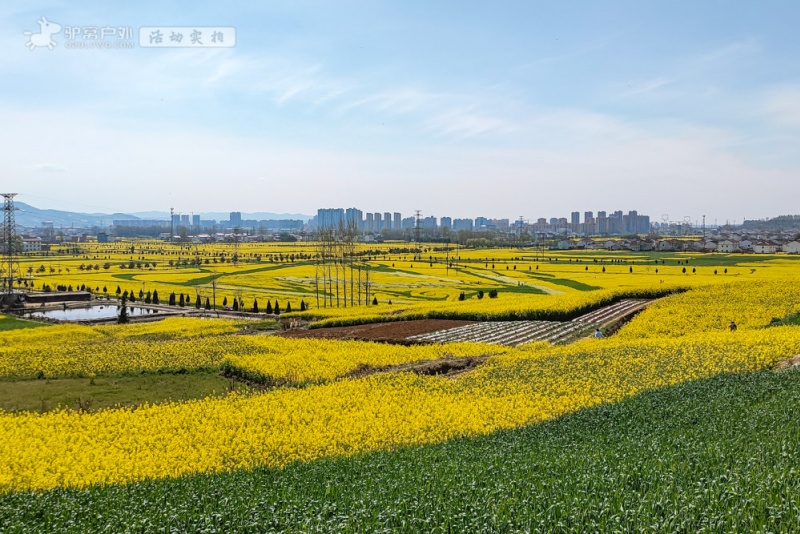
(500, 109)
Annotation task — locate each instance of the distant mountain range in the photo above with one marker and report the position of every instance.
(31, 216)
(28, 215)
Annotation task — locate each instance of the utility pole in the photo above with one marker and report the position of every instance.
(417, 225)
(236, 231)
(171, 224)
(214, 292)
(447, 257)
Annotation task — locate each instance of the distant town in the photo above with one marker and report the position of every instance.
(614, 230)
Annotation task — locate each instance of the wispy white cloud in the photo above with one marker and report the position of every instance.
(782, 105)
(647, 86)
(465, 123)
(573, 52)
(605, 162)
(398, 101)
(48, 167)
(728, 52)
(282, 79)
(703, 85)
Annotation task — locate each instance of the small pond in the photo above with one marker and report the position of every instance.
(103, 311)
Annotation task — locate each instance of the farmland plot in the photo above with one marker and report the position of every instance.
(516, 333)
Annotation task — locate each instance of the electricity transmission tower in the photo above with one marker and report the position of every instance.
(10, 241)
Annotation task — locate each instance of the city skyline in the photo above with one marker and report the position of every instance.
(36, 215)
(682, 108)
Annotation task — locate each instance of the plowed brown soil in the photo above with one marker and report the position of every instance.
(788, 363)
(394, 332)
(450, 367)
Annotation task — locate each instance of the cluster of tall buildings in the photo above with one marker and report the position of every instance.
(194, 223)
(184, 220)
(616, 222)
(355, 218)
(235, 221)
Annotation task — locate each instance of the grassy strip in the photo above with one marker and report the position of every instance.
(91, 394)
(208, 279)
(566, 282)
(711, 455)
(793, 319)
(227, 369)
(13, 323)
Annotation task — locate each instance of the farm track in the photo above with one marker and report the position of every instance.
(516, 333)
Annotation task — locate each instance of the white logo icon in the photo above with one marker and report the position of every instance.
(45, 36)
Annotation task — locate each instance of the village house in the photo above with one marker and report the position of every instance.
(727, 246)
(765, 247)
(31, 244)
(792, 247)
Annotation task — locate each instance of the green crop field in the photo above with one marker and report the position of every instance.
(714, 455)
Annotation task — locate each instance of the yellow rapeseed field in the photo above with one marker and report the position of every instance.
(350, 416)
(277, 359)
(76, 350)
(750, 304)
(286, 271)
(194, 343)
(680, 337)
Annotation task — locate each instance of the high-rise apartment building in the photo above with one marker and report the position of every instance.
(353, 218)
(330, 217)
(462, 224)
